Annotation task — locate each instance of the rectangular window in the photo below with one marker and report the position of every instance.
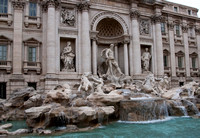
(176, 9)
(180, 64)
(32, 9)
(193, 62)
(163, 28)
(3, 53)
(189, 12)
(32, 54)
(165, 61)
(2, 90)
(177, 30)
(3, 6)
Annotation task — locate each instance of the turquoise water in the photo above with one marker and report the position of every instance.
(172, 128)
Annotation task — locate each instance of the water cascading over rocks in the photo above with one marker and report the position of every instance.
(143, 109)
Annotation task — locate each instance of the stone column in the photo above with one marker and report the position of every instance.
(85, 37)
(186, 48)
(159, 45)
(197, 30)
(136, 56)
(172, 50)
(116, 54)
(17, 36)
(94, 55)
(51, 38)
(126, 67)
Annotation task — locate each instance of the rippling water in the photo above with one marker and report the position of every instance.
(169, 128)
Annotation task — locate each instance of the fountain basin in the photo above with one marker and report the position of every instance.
(143, 109)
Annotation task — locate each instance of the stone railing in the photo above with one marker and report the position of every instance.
(180, 71)
(5, 65)
(4, 17)
(194, 72)
(32, 66)
(32, 20)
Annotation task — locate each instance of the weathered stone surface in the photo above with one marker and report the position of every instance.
(6, 126)
(79, 102)
(108, 99)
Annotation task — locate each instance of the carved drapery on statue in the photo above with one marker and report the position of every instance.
(110, 63)
(67, 57)
(146, 56)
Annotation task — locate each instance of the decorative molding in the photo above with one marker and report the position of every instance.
(157, 18)
(185, 29)
(134, 14)
(84, 6)
(50, 3)
(197, 30)
(70, 32)
(18, 4)
(171, 26)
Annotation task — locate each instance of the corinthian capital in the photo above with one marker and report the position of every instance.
(134, 14)
(84, 6)
(185, 28)
(157, 18)
(50, 3)
(18, 4)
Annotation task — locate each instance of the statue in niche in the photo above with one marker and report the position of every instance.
(146, 56)
(68, 17)
(112, 65)
(67, 57)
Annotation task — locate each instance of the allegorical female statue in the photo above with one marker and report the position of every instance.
(67, 57)
(146, 56)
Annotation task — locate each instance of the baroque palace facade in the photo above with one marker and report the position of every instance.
(46, 42)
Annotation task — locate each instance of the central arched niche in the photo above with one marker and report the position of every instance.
(109, 27)
(110, 31)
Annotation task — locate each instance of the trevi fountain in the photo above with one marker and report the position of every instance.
(109, 104)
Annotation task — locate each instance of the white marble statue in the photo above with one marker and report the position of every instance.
(67, 57)
(113, 67)
(146, 56)
(163, 84)
(85, 84)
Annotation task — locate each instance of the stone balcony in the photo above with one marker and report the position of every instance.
(167, 70)
(180, 72)
(4, 17)
(194, 72)
(32, 20)
(6, 65)
(32, 66)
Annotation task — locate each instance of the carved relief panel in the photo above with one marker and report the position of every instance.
(68, 17)
(144, 27)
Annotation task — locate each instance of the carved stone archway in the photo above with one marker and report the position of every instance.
(111, 28)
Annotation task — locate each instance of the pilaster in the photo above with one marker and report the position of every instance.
(126, 66)
(50, 6)
(135, 68)
(186, 48)
(18, 7)
(172, 49)
(197, 31)
(159, 45)
(84, 7)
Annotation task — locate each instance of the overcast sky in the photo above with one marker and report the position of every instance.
(192, 3)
